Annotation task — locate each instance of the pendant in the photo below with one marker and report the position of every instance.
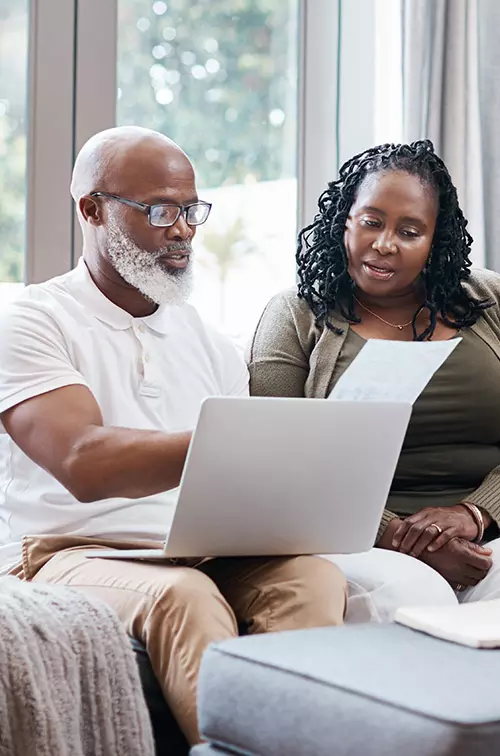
(400, 328)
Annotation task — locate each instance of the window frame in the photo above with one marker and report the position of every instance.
(50, 139)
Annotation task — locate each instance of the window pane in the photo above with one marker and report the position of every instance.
(388, 72)
(220, 78)
(13, 96)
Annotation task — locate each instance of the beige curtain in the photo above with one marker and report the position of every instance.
(489, 99)
(441, 96)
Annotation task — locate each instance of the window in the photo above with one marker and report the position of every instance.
(388, 72)
(264, 95)
(220, 77)
(13, 143)
(369, 107)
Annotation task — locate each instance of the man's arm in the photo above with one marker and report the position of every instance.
(63, 432)
(52, 415)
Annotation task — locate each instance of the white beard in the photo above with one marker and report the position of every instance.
(145, 272)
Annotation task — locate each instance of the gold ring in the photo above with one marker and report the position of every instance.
(433, 525)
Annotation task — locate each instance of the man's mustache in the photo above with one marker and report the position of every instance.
(173, 248)
(178, 247)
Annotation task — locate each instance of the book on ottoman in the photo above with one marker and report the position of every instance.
(476, 624)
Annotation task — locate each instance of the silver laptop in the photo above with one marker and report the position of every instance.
(269, 476)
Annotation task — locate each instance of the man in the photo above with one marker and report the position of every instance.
(102, 372)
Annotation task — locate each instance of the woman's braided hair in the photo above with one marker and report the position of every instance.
(324, 281)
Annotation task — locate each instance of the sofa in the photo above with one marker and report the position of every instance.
(169, 740)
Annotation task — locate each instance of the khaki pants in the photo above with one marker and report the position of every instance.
(176, 611)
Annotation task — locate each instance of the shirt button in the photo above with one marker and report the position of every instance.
(142, 328)
(146, 358)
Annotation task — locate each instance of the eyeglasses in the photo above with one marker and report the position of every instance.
(164, 216)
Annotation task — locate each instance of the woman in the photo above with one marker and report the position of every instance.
(387, 257)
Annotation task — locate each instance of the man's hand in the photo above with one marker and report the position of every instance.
(417, 532)
(460, 562)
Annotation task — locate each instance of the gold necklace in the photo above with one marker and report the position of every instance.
(399, 326)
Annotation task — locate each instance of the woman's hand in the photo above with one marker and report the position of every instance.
(385, 541)
(432, 528)
(460, 562)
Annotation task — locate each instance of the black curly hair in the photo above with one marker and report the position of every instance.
(324, 281)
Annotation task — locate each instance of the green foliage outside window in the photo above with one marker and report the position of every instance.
(217, 76)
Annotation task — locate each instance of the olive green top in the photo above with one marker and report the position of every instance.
(453, 439)
(291, 356)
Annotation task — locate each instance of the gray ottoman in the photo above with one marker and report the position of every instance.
(358, 690)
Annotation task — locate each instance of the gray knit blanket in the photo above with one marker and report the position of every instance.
(69, 683)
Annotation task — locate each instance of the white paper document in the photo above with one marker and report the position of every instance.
(392, 371)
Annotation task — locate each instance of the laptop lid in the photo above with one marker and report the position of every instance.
(284, 476)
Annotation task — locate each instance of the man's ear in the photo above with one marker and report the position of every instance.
(91, 210)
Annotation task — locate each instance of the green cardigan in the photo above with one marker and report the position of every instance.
(290, 356)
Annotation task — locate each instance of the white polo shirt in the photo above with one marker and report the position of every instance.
(150, 373)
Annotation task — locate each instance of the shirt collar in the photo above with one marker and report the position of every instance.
(85, 291)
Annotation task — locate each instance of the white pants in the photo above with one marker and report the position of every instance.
(380, 581)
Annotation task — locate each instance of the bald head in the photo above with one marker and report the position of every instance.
(120, 159)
